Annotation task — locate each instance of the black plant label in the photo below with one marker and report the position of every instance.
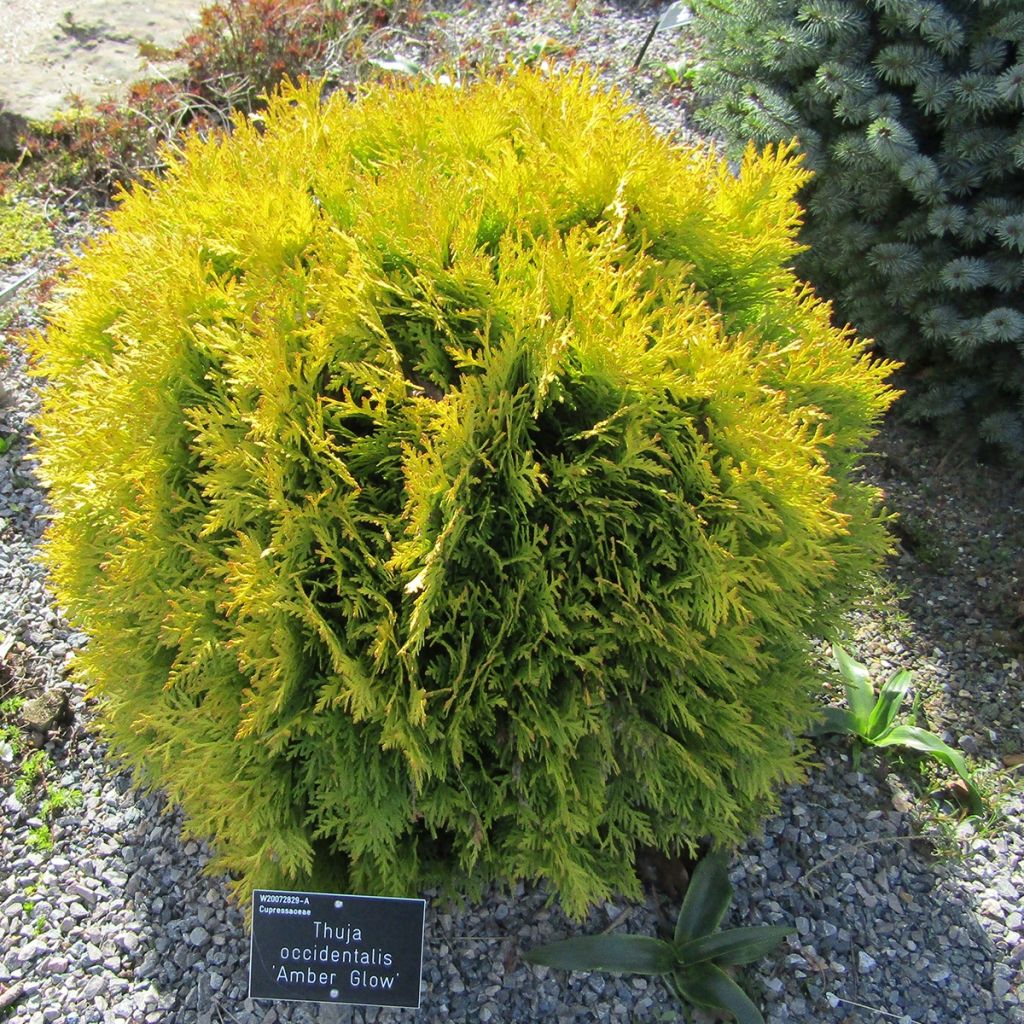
(319, 947)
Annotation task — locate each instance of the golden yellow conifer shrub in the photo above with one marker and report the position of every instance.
(450, 482)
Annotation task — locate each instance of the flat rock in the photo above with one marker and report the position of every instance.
(44, 712)
(52, 50)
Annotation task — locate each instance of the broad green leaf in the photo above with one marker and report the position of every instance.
(707, 898)
(710, 987)
(834, 720)
(623, 954)
(733, 946)
(928, 743)
(859, 694)
(887, 706)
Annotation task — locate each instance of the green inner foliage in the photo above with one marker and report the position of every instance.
(910, 114)
(449, 483)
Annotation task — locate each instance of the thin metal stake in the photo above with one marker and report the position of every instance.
(647, 42)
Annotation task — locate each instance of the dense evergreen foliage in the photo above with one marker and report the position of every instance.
(449, 483)
(910, 114)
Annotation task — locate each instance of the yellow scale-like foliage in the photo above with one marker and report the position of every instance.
(449, 483)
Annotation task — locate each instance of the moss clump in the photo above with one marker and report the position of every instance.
(450, 482)
(23, 229)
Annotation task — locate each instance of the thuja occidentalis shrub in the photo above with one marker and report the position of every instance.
(911, 114)
(449, 483)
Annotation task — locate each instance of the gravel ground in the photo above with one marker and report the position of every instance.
(899, 912)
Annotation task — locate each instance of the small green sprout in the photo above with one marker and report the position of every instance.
(60, 799)
(40, 838)
(32, 770)
(872, 719)
(693, 961)
(10, 740)
(11, 706)
(678, 72)
(541, 47)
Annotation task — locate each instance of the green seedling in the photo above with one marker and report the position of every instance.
(541, 47)
(40, 838)
(694, 963)
(60, 799)
(678, 72)
(29, 904)
(11, 706)
(10, 742)
(871, 718)
(33, 769)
